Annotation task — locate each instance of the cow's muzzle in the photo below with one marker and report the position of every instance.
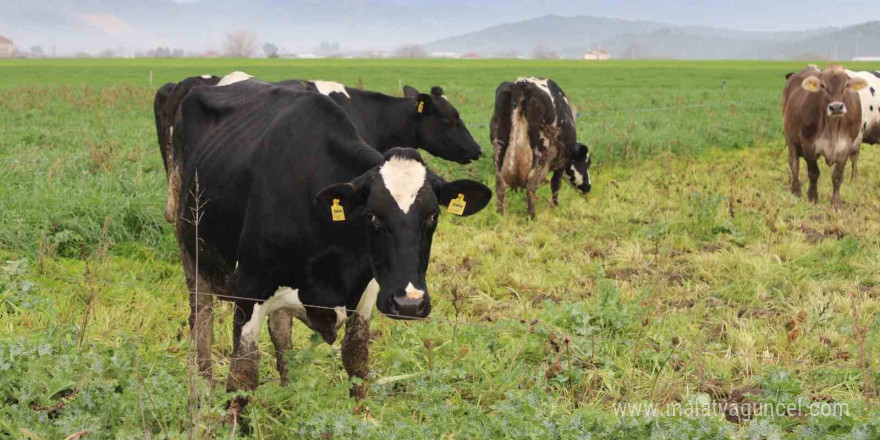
(836, 109)
(412, 304)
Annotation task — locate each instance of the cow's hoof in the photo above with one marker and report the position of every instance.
(796, 192)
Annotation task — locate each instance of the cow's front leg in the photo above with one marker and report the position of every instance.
(813, 173)
(555, 183)
(356, 343)
(280, 327)
(794, 163)
(836, 180)
(244, 364)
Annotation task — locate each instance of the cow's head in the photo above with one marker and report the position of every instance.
(399, 203)
(832, 85)
(440, 131)
(578, 168)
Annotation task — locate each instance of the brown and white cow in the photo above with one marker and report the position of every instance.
(533, 133)
(822, 117)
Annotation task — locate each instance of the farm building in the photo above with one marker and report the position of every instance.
(6, 47)
(597, 55)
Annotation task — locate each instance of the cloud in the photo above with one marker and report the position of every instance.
(110, 24)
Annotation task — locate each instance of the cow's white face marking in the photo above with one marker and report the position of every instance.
(403, 178)
(284, 298)
(233, 78)
(206, 76)
(368, 299)
(413, 293)
(328, 87)
(578, 177)
(541, 83)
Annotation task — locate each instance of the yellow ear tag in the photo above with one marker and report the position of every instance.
(421, 106)
(337, 212)
(813, 87)
(456, 206)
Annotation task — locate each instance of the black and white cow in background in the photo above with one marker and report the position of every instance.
(870, 100)
(417, 120)
(426, 121)
(165, 105)
(533, 133)
(299, 211)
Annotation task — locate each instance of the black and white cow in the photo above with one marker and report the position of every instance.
(417, 120)
(299, 213)
(165, 106)
(533, 133)
(870, 100)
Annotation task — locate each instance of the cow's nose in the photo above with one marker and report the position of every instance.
(407, 307)
(836, 108)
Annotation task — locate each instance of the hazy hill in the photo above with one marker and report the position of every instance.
(571, 36)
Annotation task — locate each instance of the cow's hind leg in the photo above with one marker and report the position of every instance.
(244, 364)
(854, 158)
(813, 173)
(794, 163)
(555, 183)
(201, 317)
(500, 192)
(280, 327)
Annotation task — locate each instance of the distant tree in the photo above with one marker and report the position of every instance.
(410, 51)
(37, 52)
(82, 55)
(270, 50)
(240, 44)
(106, 53)
(541, 52)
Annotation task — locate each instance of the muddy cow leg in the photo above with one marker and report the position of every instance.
(500, 192)
(836, 180)
(813, 173)
(356, 343)
(201, 316)
(555, 183)
(794, 163)
(280, 323)
(244, 364)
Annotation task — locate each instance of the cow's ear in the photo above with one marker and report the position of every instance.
(410, 92)
(424, 104)
(463, 197)
(580, 152)
(338, 200)
(811, 84)
(857, 84)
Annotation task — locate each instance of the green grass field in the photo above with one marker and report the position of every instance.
(689, 275)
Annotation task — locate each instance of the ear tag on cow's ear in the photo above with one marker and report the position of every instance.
(337, 212)
(421, 106)
(456, 206)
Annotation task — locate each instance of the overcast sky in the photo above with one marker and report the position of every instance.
(92, 25)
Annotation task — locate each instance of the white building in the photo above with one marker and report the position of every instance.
(597, 55)
(6, 47)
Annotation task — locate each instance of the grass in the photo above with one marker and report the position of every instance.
(689, 274)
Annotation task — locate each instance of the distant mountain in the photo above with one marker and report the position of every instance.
(572, 36)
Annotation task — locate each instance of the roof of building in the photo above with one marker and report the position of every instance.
(4, 39)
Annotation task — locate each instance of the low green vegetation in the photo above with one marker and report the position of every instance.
(689, 276)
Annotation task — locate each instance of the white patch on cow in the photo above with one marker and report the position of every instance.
(284, 298)
(328, 87)
(830, 148)
(368, 299)
(444, 97)
(206, 76)
(541, 83)
(870, 100)
(170, 134)
(578, 177)
(519, 140)
(403, 178)
(233, 78)
(412, 292)
(236, 265)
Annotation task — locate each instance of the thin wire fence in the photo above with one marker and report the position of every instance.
(724, 353)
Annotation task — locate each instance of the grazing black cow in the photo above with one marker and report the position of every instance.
(533, 133)
(418, 120)
(165, 106)
(299, 213)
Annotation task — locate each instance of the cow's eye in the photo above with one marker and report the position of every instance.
(432, 219)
